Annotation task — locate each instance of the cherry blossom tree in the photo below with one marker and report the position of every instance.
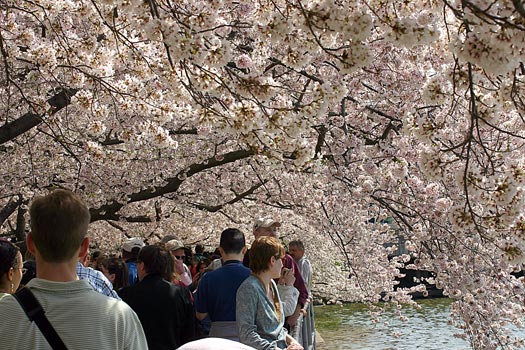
(359, 124)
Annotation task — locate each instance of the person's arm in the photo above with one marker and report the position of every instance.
(185, 278)
(292, 343)
(189, 331)
(246, 312)
(107, 287)
(292, 319)
(201, 299)
(287, 292)
(182, 274)
(307, 275)
(289, 295)
(201, 316)
(299, 282)
(99, 282)
(133, 336)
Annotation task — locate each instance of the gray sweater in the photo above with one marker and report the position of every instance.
(256, 317)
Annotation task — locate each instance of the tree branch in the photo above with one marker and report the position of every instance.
(20, 232)
(9, 209)
(322, 130)
(115, 141)
(29, 120)
(237, 198)
(109, 211)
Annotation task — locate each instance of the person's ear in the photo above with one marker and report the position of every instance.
(140, 268)
(84, 247)
(30, 244)
(244, 250)
(10, 274)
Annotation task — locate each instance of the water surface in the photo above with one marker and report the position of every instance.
(350, 327)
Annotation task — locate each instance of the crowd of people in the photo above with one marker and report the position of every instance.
(156, 296)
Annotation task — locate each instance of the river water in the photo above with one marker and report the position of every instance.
(350, 327)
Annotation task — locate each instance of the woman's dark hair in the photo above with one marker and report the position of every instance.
(95, 254)
(8, 252)
(117, 267)
(157, 260)
(204, 262)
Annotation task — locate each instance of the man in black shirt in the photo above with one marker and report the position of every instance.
(164, 309)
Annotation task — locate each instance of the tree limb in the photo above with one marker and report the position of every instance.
(9, 209)
(240, 196)
(109, 211)
(29, 120)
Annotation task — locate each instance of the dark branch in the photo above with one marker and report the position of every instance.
(376, 111)
(240, 196)
(115, 141)
(322, 130)
(140, 218)
(398, 213)
(29, 120)
(109, 210)
(20, 232)
(9, 209)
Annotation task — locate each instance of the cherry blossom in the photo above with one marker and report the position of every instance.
(386, 135)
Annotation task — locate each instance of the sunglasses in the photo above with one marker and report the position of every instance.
(179, 257)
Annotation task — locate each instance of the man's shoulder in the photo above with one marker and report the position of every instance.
(288, 261)
(227, 271)
(83, 271)
(306, 261)
(83, 299)
(116, 321)
(93, 296)
(126, 291)
(102, 303)
(154, 284)
(303, 261)
(237, 267)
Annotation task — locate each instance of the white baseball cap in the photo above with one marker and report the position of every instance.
(132, 243)
(265, 222)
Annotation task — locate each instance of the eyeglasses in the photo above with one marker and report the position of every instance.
(179, 257)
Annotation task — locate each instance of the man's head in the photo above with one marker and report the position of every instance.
(131, 248)
(59, 223)
(296, 249)
(176, 248)
(199, 249)
(155, 259)
(168, 238)
(265, 227)
(232, 241)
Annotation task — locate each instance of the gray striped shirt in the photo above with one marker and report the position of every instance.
(83, 318)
